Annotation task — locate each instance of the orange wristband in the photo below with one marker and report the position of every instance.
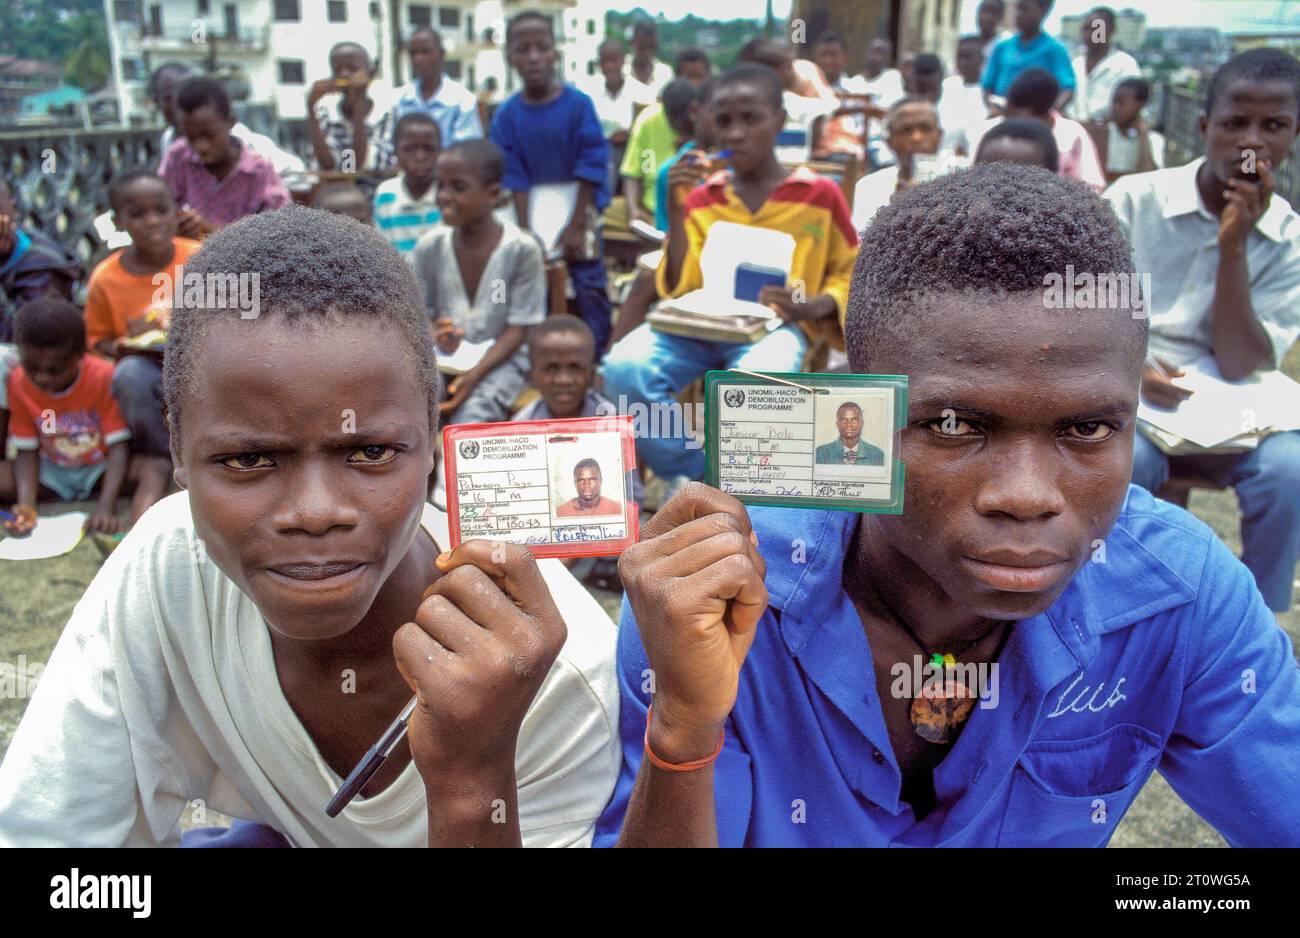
(679, 766)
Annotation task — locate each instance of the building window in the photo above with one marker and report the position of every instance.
(452, 68)
(469, 27)
(591, 68)
(287, 11)
(203, 7)
(421, 15)
(374, 9)
(130, 70)
(155, 20)
(337, 11)
(449, 17)
(126, 11)
(291, 71)
(591, 27)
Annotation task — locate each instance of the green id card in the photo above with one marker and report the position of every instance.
(806, 440)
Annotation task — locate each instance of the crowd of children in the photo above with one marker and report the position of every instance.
(972, 187)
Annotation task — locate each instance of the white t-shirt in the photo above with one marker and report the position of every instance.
(616, 112)
(871, 193)
(1093, 91)
(162, 690)
(961, 106)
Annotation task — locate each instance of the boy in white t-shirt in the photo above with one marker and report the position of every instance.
(253, 636)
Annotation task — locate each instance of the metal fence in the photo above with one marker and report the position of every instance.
(59, 178)
(1178, 112)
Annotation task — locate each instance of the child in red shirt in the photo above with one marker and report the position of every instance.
(67, 427)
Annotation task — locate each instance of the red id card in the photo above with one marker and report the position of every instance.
(562, 487)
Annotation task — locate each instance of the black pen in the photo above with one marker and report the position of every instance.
(371, 762)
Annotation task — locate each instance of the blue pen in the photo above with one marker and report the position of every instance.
(8, 516)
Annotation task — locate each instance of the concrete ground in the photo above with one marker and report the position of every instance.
(36, 598)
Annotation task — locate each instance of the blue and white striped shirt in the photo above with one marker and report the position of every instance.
(402, 218)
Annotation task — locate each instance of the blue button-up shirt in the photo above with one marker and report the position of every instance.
(1159, 654)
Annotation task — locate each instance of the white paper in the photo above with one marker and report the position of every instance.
(727, 246)
(550, 208)
(1219, 411)
(466, 356)
(53, 536)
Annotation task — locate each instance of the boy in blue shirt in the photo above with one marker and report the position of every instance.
(1030, 48)
(1111, 634)
(549, 133)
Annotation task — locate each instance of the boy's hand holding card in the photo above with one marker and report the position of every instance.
(563, 488)
(482, 643)
(806, 440)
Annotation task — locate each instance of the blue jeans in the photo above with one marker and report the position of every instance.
(591, 296)
(649, 367)
(137, 385)
(1267, 480)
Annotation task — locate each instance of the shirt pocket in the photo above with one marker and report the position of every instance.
(1072, 793)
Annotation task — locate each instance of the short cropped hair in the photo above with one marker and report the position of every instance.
(1139, 86)
(119, 184)
(200, 90)
(415, 119)
(1034, 89)
(587, 463)
(349, 45)
(751, 73)
(484, 155)
(521, 18)
(831, 38)
(1106, 14)
(992, 229)
(50, 322)
(677, 98)
(1026, 128)
(165, 69)
(560, 324)
(927, 63)
(425, 31)
(312, 266)
(687, 56)
(1257, 65)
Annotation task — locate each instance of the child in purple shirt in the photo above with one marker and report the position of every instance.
(214, 177)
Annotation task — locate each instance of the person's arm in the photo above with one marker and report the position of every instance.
(1235, 744)
(320, 148)
(1063, 69)
(515, 178)
(360, 131)
(679, 271)
(695, 584)
(633, 189)
(509, 342)
(104, 520)
(1146, 161)
(494, 630)
(1241, 344)
(468, 127)
(26, 481)
(572, 238)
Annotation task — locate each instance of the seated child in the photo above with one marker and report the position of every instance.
(257, 633)
(69, 432)
(215, 177)
(1020, 140)
(1093, 667)
(561, 367)
(126, 298)
(649, 367)
(483, 281)
(406, 206)
(32, 264)
(345, 198)
(912, 129)
(1222, 249)
(1125, 142)
(550, 134)
(349, 114)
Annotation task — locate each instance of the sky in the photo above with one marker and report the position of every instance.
(1227, 15)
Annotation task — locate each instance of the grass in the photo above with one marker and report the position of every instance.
(36, 598)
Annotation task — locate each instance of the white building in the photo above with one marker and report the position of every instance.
(277, 48)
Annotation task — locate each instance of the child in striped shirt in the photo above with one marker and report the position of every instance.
(406, 206)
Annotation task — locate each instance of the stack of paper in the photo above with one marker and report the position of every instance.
(466, 356)
(1223, 416)
(53, 536)
(715, 306)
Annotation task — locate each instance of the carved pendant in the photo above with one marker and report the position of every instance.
(937, 715)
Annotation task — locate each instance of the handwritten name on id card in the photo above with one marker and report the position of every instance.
(806, 440)
(562, 487)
